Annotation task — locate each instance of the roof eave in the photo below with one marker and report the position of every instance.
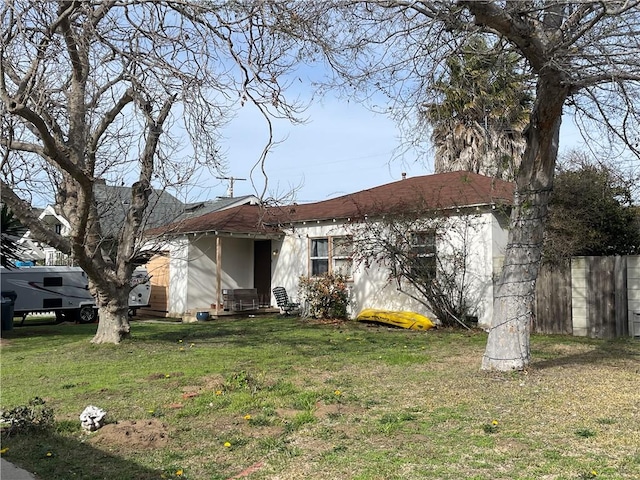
(225, 233)
(492, 205)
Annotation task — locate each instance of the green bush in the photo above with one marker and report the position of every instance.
(326, 296)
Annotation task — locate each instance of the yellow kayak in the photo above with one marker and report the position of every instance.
(411, 320)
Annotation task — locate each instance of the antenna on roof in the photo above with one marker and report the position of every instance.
(231, 181)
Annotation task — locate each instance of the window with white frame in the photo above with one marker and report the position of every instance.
(319, 256)
(423, 249)
(341, 255)
(331, 255)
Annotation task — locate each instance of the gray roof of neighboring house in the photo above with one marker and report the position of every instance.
(164, 208)
(192, 210)
(113, 205)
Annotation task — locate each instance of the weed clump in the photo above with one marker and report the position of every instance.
(35, 415)
(242, 380)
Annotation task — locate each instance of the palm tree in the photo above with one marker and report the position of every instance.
(483, 108)
(11, 230)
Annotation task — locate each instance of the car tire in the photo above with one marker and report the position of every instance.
(87, 314)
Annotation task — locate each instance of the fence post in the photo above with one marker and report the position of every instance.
(633, 294)
(579, 296)
(621, 312)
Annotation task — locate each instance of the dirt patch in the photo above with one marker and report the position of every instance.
(135, 434)
(287, 413)
(192, 390)
(213, 382)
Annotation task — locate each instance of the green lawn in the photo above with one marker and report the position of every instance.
(282, 398)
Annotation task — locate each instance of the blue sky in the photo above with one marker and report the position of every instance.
(343, 148)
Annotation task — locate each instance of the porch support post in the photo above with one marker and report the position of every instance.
(218, 274)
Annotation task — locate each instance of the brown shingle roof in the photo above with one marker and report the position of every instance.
(242, 219)
(425, 193)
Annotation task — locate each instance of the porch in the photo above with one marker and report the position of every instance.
(190, 316)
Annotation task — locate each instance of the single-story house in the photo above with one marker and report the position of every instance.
(254, 246)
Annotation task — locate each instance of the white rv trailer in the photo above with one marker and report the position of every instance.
(65, 291)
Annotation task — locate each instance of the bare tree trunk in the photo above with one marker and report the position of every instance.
(87, 123)
(113, 314)
(509, 336)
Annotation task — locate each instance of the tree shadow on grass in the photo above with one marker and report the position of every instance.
(50, 329)
(599, 352)
(270, 334)
(243, 332)
(293, 333)
(52, 456)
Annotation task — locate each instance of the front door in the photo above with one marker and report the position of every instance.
(262, 271)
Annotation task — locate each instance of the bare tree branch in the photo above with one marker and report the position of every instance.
(98, 95)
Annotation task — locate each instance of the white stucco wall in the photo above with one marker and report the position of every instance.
(178, 276)
(485, 239)
(193, 270)
(201, 285)
(292, 260)
(237, 262)
(193, 266)
(476, 234)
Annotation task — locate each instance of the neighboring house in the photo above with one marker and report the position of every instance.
(33, 251)
(19, 250)
(251, 246)
(113, 204)
(197, 209)
(60, 225)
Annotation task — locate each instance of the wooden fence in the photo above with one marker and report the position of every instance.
(593, 296)
(553, 301)
(158, 268)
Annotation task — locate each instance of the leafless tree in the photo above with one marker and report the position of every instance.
(584, 58)
(116, 91)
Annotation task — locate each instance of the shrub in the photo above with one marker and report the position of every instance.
(326, 296)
